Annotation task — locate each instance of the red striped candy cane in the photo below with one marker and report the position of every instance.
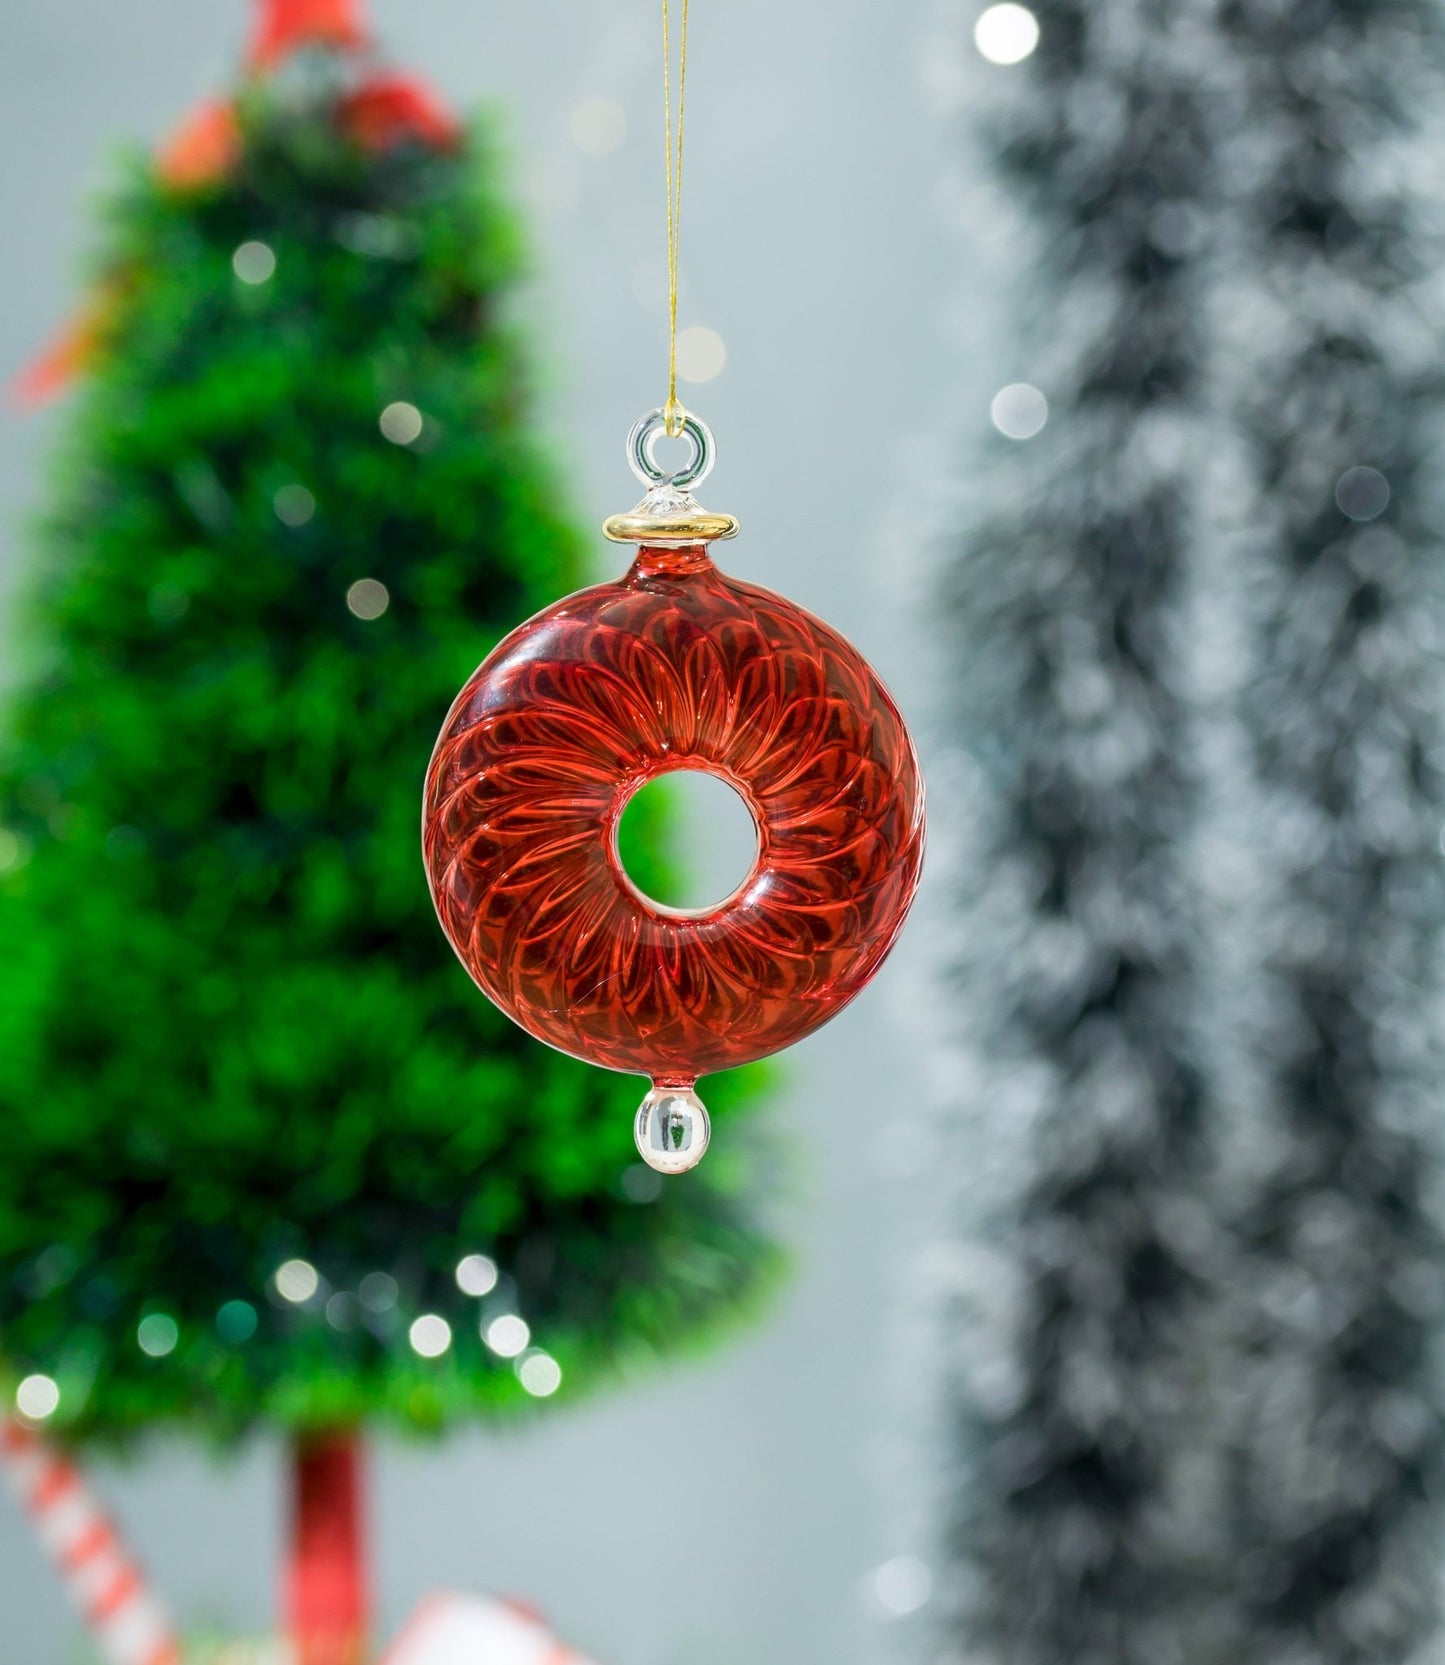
(129, 1624)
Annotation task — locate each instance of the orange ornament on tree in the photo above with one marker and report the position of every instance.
(68, 353)
(205, 146)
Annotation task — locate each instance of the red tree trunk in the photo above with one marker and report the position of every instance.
(327, 1590)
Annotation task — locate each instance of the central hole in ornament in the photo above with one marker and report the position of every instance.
(687, 840)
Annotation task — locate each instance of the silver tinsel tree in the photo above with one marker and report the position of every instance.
(1071, 1537)
(1334, 373)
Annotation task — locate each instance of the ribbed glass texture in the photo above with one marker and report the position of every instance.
(675, 666)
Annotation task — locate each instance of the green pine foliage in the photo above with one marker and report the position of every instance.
(231, 1032)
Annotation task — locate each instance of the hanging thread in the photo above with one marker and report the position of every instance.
(673, 413)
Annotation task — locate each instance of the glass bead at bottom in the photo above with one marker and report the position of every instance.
(672, 1129)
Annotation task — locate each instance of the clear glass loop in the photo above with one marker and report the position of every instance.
(642, 443)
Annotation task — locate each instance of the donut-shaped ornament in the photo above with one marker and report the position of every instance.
(675, 666)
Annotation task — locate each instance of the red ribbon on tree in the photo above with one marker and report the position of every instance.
(388, 109)
(284, 25)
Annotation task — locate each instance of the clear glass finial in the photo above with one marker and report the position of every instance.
(672, 1129)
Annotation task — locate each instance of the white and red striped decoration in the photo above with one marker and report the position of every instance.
(450, 1629)
(128, 1624)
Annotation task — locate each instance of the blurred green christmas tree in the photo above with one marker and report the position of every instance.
(264, 1151)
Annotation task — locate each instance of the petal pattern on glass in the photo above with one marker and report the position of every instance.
(675, 666)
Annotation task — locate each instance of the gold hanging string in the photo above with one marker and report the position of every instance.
(672, 411)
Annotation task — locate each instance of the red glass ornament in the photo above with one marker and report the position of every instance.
(674, 666)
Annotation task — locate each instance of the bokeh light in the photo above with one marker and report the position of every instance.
(701, 354)
(37, 1398)
(430, 1335)
(253, 262)
(540, 1374)
(157, 1334)
(368, 598)
(167, 603)
(1362, 493)
(507, 1336)
(378, 1291)
(401, 422)
(1006, 34)
(639, 1184)
(343, 1310)
(598, 125)
(901, 1586)
(236, 1321)
(1019, 411)
(297, 1281)
(476, 1275)
(294, 505)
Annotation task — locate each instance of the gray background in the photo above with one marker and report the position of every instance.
(814, 246)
